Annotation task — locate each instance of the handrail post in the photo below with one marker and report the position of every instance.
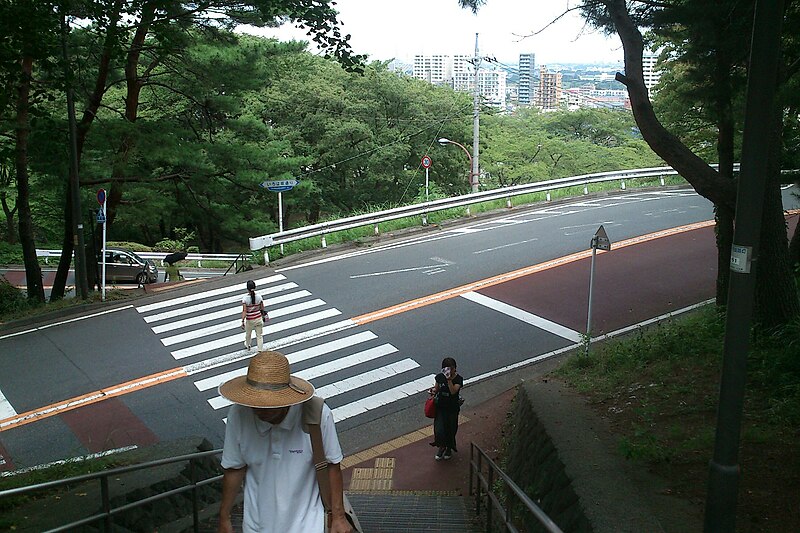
(471, 465)
(489, 490)
(480, 485)
(195, 496)
(106, 502)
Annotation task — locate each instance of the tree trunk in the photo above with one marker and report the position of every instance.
(11, 233)
(89, 114)
(33, 272)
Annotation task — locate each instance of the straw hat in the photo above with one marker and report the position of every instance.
(267, 384)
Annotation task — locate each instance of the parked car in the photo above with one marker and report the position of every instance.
(124, 265)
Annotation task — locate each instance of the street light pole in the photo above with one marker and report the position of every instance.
(474, 184)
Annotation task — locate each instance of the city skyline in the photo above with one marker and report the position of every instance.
(385, 30)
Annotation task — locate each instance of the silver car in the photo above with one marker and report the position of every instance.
(124, 265)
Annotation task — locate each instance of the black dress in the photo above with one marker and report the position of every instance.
(445, 425)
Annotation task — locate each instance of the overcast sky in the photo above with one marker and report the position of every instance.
(386, 29)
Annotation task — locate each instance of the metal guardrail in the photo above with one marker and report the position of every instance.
(485, 489)
(106, 515)
(421, 209)
(156, 256)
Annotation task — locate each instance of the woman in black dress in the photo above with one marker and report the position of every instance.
(448, 405)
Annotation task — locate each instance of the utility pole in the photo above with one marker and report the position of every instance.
(759, 118)
(81, 280)
(476, 101)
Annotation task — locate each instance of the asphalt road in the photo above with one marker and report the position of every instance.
(368, 327)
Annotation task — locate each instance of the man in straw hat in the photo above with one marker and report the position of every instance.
(267, 448)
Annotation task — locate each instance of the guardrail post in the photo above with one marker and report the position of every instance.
(622, 184)
(508, 202)
(662, 181)
(106, 502)
(548, 196)
(199, 263)
(585, 188)
(377, 230)
(324, 242)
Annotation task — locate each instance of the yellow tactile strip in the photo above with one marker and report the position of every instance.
(374, 479)
(390, 446)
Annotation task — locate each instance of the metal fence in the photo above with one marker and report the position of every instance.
(158, 256)
(422, 209)
(105, 516)
(493, 488)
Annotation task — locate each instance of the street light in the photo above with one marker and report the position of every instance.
(473, 172)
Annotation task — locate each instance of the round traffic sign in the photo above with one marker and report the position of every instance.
(101, 196)
(426, 162)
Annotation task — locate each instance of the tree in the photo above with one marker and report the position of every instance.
(156, 35)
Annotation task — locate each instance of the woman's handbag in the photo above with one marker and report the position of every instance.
(430, 407)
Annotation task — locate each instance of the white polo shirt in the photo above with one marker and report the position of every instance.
(281, 494)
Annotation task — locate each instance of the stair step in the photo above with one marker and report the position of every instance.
(391, 512)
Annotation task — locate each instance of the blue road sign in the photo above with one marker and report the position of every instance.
(279, 185)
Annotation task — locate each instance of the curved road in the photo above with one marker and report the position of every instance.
(368, 327)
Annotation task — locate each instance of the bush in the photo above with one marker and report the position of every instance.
(10, 254)
(12, 300)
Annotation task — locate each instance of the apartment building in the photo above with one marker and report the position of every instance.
(458, 72)
(548, 97)
(527, 79)
(436, 69)
(651, 75)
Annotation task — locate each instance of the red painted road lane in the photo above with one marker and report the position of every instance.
(631, 284)
(108, 425)
(6, 465)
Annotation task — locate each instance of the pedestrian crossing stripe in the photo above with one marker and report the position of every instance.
(240, 288)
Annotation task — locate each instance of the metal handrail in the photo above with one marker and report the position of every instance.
(485, 484)
(323, 228)
(108, 512)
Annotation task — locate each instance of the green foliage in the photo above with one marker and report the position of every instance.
(10, 254)
(12, 300)
(181, 236)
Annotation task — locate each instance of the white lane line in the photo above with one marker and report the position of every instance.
(239, 287)
(296, 357)
(519, 314)
(232, 324)
(397, 271)
(236, 298)
(237, 323)
(383, 398)
(273, 345)
(367, 378)
(218, 402)
(505, 246)
(6, 410)
(54, 324)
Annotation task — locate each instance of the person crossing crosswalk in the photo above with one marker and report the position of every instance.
(343, 360)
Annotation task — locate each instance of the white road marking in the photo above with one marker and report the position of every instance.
(441, 262)
(236, 298)
(302, 355)
(267, 329)
(239, 287)
(367, 378)
(505, 246)
(218, 402)
(519, 314)
(383, 398)
(231, 324)
(6, 409)
(242, 354)
(54, 324)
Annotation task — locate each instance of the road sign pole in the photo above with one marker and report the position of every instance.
(280, 216)
(103, 282)
(591, 291)
(425, 215)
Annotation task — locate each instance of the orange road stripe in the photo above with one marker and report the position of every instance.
(92, 397)
(508, 276)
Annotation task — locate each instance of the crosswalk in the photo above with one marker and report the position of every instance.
(349, 365)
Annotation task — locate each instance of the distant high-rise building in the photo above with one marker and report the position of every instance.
(527, 77)
(651, 75)
(436, 69)
(549, 94)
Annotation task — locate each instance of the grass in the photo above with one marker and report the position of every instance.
(659, 389)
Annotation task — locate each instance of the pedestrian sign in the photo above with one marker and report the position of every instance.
(101, 217)
(601, 240)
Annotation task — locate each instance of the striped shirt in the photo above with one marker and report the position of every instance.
(253, 309)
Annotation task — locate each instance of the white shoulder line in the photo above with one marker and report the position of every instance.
(519, 314)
